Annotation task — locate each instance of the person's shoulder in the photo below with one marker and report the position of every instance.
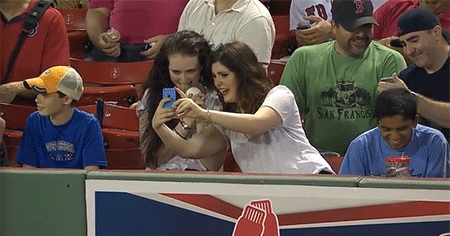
(84, 116)
(254, 9)
(51, 12)
(367, 137)
(281, 90)
(409, 72)
(379, 48)
(196, 3)
(393, 5)
(428, 133)
(316, 49)
(34, 116)
(51, 16)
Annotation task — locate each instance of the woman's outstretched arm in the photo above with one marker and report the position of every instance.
(250, 124)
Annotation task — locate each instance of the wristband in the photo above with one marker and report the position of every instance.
(209, 115)
(175, 130)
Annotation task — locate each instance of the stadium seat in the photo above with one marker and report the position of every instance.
(335, 161)
(230, 164)
(283, 37)
(74, 19)
(12, 140)
(123, 95)
(76, 31)
(15, 115)
(112, 73)
(275, 72)
(121, 118)
(122, 149)
(111, 81)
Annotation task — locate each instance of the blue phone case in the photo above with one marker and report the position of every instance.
(169, 93)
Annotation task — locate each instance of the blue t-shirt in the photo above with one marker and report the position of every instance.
(76, 144)
(428, 151)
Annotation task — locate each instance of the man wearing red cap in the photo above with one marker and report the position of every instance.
(58, 135)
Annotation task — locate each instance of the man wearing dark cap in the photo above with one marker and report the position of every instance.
(335, 83)
(424, 42)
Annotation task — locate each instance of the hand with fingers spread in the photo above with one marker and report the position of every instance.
(397, 83)
(162, 115)
(319, 33)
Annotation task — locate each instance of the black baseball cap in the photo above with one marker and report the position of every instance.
(352, 13)
(417, 20)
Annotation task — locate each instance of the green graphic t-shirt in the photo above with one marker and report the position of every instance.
(337, 93)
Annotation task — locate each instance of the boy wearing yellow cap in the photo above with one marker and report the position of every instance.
(58, 135)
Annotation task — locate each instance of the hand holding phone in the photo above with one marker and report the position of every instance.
(302, 27)
(387, 79)
(169, 93)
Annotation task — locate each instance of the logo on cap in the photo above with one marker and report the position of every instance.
(359, 6)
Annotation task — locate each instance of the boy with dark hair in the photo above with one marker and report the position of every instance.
(397, 134)
(58, 135)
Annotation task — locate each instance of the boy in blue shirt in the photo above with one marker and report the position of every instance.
(398, 134)
(58, 135)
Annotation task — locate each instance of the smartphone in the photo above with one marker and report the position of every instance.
(302, 27)
(387, 79)
(396, 43)
(169, 93)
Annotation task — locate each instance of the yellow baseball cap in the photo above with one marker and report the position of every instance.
(58, 78)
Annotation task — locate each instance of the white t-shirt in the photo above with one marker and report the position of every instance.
(283, 149)
(302, 8)
(178, 163)
(247, 21)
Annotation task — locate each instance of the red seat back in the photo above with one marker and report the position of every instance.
(122, 149)
(75, 19)
(283, 36)
(122, 118)
(275, 72)
(12, 141)
(230, 164)
(15, 115)
(123, 95)
(112, 73)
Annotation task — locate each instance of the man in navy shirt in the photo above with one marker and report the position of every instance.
(398, 134)
(58, 135)
(424, 42)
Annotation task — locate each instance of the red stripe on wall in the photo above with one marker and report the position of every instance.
(385, 211)
(382, 211)
(208, 202)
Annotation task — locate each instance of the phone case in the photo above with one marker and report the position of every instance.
(169, 93)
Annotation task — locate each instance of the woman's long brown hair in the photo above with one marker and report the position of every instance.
(254, 84)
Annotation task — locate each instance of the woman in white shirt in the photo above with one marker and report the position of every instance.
(259, 122)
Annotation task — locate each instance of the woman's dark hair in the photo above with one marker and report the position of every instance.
(396, 102)
(186, 43)
(254, 84)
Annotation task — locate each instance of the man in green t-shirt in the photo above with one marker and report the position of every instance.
(335, 83)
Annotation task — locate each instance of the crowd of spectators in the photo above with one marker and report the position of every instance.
(331, 97)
